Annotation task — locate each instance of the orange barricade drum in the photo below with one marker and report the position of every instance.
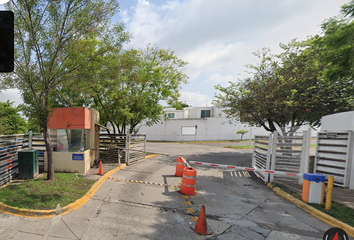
(179, 167)
(189, 181)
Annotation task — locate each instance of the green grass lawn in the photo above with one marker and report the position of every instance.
(239, 146)
(338, 211)
(41, 194)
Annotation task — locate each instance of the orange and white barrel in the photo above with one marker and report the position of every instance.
(189, 181)
(180, 166)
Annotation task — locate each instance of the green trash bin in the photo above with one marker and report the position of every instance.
(28, 164)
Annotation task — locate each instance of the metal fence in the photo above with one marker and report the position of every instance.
(281, 153)
(135, 148)
(290, 154)
(110, 148)
(334, 157)
(9, 147)
(121, 148)
(38, 144)
(261, 155)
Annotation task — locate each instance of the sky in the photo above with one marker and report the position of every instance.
(217, 37)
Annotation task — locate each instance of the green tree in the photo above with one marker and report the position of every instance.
(133, 83)
(53, 41)
(335, 48)
(242, 132)
(281, 93)
(179, 105)
(11, 122)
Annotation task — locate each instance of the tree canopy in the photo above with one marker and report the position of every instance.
(11, 121)
(306, 81)
(133, 83)
(54, 40)
(179, 105)
(281, 93)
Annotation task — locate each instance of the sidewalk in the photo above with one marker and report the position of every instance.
(92, 174)
(343, 196)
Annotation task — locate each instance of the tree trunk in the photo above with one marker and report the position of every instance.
(49, 150)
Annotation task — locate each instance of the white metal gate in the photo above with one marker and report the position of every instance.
(290, 154)
(261, 155)
(334, 156)
(281, 153)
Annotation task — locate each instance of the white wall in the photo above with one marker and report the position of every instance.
(338, 122)
(217, 127)
(207, 129)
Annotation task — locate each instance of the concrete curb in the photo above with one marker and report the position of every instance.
(67, 209)
(315, 212)
(152, 155)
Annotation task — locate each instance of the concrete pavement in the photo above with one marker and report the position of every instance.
(238, 205)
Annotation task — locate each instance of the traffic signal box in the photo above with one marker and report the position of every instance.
(313, 188)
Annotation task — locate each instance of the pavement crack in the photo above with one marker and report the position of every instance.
(268, 234)
(163, 231)
(69, 228)
(161, 208)
(265, 200)
(216, 235)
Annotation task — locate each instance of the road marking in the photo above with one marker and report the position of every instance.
(144, 182)
(191, 210)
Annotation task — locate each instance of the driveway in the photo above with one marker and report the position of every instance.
(238, 205)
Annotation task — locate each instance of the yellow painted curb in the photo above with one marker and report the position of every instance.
(67, 209)
(153, 155)
(315, 212)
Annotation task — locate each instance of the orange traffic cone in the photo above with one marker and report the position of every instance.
(201, 226)
(100, 171)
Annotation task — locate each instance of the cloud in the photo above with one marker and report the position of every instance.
(186, 25)
(124, 15)
(195, 98)
(13, 95)
(217, 78)
(214, 58)
(218, 38)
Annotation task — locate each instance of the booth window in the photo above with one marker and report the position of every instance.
(70, 140)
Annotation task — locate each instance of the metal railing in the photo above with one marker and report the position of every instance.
(9, 147)
(122, 148)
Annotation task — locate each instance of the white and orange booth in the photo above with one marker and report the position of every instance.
(74, 133)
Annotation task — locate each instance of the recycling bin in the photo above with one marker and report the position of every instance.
(313, 188)
(28, 164)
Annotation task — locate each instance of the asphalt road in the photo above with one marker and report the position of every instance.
(238, 205)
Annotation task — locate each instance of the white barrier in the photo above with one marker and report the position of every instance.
(247, 169)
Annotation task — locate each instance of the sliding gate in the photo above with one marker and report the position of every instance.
(281, 153)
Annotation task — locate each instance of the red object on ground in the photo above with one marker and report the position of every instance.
(100, 171)
(201, 226)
